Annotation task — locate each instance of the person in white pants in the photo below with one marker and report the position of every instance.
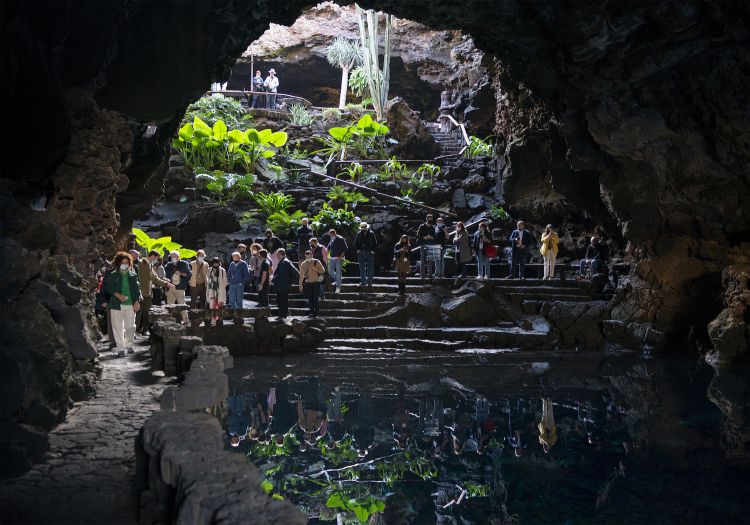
(125, 296)
(550, 240)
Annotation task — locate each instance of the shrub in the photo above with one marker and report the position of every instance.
(340, 195)
(274, 202)
(283, 222)
(392, 170)
(225, 187)
(353, 171)
(431, 170)
(343, 220)
(214, 108)
(331, 114)
(162, 245)
(299, 115)
(498, 212)
(479, 147)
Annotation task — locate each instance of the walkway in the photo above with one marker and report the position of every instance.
(87, 476)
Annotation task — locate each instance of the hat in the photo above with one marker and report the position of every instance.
(272, 70)
(215, 260)
(363, 226)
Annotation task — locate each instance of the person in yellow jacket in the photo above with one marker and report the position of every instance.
(550, 240)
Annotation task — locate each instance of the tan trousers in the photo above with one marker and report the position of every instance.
(549, 264)
(123, 326)
(175, 296)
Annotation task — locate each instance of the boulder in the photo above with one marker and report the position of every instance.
(281, 330)
(458, 201)
(476, 184)
(468, 310)
(476, 202)
(204, 218)
(292, 343)
(176, 180)
(578, 324)
(414, 140)
(298, 329)
(20, 447)
(729, 332)
(454, 173)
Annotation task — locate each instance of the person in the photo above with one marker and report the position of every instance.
(242, 248)
(237, 275)
(463, 248)
(199, 269)
(594, 258)
(365, 243)
(550, 240)
(401, 263)
(337, 248)
(271, 244)
(257, 89)
(135, 255)
(282, 280)
(147, 277)
(320, 253)
(264, 278)
(311, 272)
(482, 239)
(425, 237)
(253, 264)
(547, 427)
(124, 291)
(271, 85)
(304, 234)
(102, 299)
(216, 287)
(178, 275)
(520, 241)
(441, 238)
(158, 287)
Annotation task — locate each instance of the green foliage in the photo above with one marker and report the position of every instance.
(339, 195)
(479, 147)
(212, 147)
(475, 490)
(358, 110)
(214, 108)
(392, 170)
(353, 171)
(498, 212)
(162, 245)
(299, 115)
(430, 170)
(422, 467)
(226, 187)
(271, 449)
(331, 114)
(343, 220)
(283, 222)
(358, 82)
(343, 53)
(418, 183)
(274, 202)
(362, 507)
(342, 452)
(294, 153)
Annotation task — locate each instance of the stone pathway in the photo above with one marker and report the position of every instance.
(87, 477)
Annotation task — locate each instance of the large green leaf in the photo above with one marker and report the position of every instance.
(267, 154)
(265, 136)
(142, 238)
(341, 134)
(186, 253)
(361, 512)
(236, 136)
(220, 130)
(186, 132)
(334, 501)
(365, 121)
(252, 136)
(278, 139)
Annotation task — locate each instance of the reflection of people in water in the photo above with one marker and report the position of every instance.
(401, 431)
(547, 427)
(363, 428)
(238, 419)
(311, 422)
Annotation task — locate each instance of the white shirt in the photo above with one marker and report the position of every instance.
(271, 83)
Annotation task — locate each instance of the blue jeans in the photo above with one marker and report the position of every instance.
(440, 264)
(336, 268)
(271, 100)
(596, 265)
(236, 292)
(366, 267)
(483, 264)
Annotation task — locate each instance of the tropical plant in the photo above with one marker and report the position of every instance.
(354, 171)
(362, 135)
(358, 81)
(498, 212)
(377, 80)
(343, 54)
(331, 114)
(274, 202)
(281, 221)
(257, 144)
(225, 187)
(338, 194)
(343, 220)
(362, 507)
(214, 108)
(293, 153)
(162, 245)
(419, 183)
(479, 147)
(393, 170)
(299, 115)
(430, 170)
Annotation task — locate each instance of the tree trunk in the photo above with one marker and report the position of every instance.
(344, 87)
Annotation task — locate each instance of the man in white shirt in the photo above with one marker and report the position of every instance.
(271, 84)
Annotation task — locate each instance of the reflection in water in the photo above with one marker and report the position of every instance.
(395, 450)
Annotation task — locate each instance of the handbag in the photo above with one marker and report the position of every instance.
(490, 251)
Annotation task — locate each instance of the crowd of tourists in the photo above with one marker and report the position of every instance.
(133, 283)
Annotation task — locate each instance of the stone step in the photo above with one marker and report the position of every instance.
(399, 345)
(332, 302)
(485, 336)
(416, 287)
(389, 277)
(518, 298)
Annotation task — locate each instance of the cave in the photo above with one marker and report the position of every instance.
(621, 121)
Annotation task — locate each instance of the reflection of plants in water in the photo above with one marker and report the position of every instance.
(339, 452)
(272, 449)
(422, 467)
(475, 490)
(390, 473)
(362, 506)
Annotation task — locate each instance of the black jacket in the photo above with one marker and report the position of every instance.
(271, 244)
(304, 234)
(181, 266)
(526, 239)
(337, 247)
(283, 276)
(441, 237)
(597, 252)
(366, 241)
(475, 240)
(426, 230)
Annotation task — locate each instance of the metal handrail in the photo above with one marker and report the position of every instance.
(449, 234)
(461, 126)
(236, 93)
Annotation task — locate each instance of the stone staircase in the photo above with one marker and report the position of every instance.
(450, 142)
(376, 321)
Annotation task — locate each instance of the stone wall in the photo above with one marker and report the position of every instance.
(184, 474)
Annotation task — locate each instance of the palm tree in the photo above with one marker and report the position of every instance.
(343, 54)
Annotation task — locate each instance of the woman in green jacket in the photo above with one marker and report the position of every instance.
(125, 295)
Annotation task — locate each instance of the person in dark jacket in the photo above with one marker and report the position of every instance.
(520, 241)
(304, 234)
(264, 278)
(365, 242)
(482, 239)
(178, 274)
(271, 243)
(426, 237)
(337, 248)
(594, 257)
(283, 277)
(401, 262)
(238, 274)
(124, 291)
(441, 238)
(258, 98)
